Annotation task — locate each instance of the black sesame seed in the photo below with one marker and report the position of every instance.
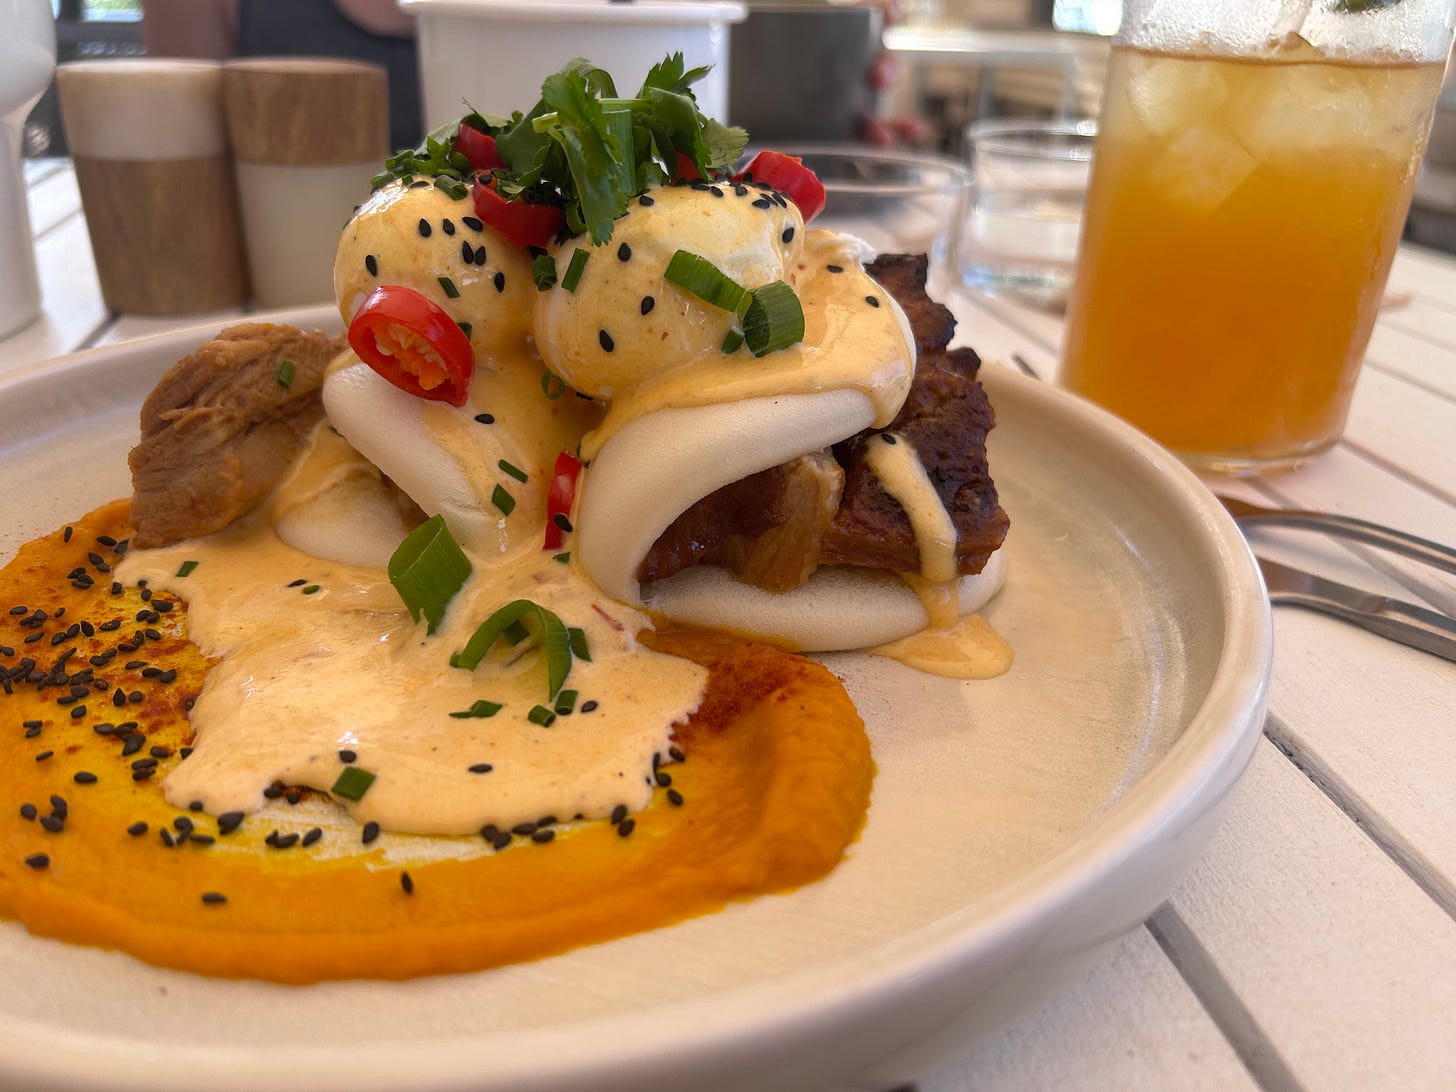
(763, 203)
(888, 437)
(132, 744)
(214, 898)
(618, 814)
(371, 263)
(648, 303)
(110, 626)
(472, 223)
(561, 521)
(31, 733)
(420, 184)
(182, 823)
(184, 752)
(44, 755)
(137, 829)
(229, 821)
(541, 837)
(788, 235)
(481, 767)
(501, 840)
(467, 253)
(84, 777)
(282, 841)
(645, 201)
(166, 836)
(605, 340)
(626, 826)
(59, 807)
(67, 533)
(406, 883)
(18, 610)
(200, 839)
(293, 796)
(624, 253)
(480, 255)
(524, 829)
(347, 756)
(485, 418)
(834, 268)
(53, 823)
(312, 835)
(715, 191)
(143, 775)
(674, 797)
(500, 282)
(159, 752)
(371, 830)
(424, 226)
(663, 779)
(38, 860)
(873, 301)
(740, 190)
(28, 811)
(78, 712)
(676, 755)
(588, 706)
(447, 226)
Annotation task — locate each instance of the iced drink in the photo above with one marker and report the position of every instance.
(1242, 217)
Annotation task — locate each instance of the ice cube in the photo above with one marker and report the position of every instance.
(1200, 170)
(1308, 109)
(1168, 93)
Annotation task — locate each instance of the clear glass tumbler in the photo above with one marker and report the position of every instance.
(1253, 171)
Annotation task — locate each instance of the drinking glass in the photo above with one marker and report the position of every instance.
(1253, 171)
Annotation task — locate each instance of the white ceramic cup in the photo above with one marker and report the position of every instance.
(27, 59)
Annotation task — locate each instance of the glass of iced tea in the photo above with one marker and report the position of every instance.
(1253, 170)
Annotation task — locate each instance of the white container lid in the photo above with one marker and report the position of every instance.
(649, 12)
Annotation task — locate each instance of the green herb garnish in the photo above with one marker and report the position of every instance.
(731, 341)
(574, 269)
(352, 783)
(311, 589)
(554, 641)
(577, 638)
(481, 708)
(582, 148)
(513, 470)
(449, 287)
(552, 385)
(539, 714)
(694, 273)
(465, 328)
(286, 371)
(565, 702)
(185, 569)
(543, 271)
(774, 319)
(427, 569)
(503, 500)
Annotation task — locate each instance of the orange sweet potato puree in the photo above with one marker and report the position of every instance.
(775, 783)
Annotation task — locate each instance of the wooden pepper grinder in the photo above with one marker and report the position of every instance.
(156, 181)
(307, 135)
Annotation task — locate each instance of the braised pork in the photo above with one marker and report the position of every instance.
(223, 426)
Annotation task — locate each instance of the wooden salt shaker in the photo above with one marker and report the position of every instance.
(307, 135)
(156, 180)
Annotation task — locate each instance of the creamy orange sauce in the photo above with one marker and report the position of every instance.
(969, 649)
(774, 784)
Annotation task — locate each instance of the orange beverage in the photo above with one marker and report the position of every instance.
(1240, 223)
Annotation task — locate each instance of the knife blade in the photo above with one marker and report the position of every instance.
(1407, 623)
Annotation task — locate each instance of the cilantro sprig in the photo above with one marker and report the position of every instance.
(583, 148)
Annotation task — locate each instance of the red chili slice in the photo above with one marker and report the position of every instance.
(788, 175)
(414, 344)
(559, 498)
(478, 147)
(522, 224)
(686, 170)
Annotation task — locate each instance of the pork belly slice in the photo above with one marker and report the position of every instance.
(776, 527)
(223, 426)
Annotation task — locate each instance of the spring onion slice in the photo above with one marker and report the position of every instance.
(565, 702)
(694, 273)
(286, 371)
(479, 708)
(574, 269)
(352, 783)
(427, 570)
(539, 714)
(579, 649)
(731, 341)
(774, 319)
(554, 641)
(501, 498)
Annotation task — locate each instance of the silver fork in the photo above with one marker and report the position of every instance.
(1400, 542)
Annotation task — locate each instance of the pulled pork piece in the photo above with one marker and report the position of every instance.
(776, 527)
(223, 426)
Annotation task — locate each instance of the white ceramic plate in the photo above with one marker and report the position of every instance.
(1017, 825)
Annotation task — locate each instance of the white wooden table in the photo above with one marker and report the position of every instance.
(1313, 946)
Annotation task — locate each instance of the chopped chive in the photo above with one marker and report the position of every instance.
(574, 269)
(481, 708)
(428, 569)
(352, 783)
(576, 637)
(543, 271)
(502, 500)
(695, 274)
(539, 714)
(514, 471)
(310, 589)
(286, 371)
(564, 558)
(552, 385)
(732, 341)
(185, 569)
(565, 702)
(774, 319)
(554, 641)
(466, 328)
(449, 286)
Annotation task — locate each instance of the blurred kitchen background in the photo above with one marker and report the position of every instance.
(908, 73)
